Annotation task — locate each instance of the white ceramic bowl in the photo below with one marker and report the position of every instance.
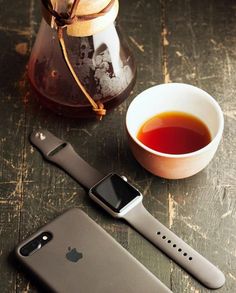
(174, 97)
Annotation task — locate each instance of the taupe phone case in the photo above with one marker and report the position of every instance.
(82, 258)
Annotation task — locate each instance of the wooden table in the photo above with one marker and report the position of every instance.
(180, 41)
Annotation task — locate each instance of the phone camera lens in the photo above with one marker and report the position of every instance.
(27, 249)
(36, 244)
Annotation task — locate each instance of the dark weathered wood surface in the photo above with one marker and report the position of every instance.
(182, 41)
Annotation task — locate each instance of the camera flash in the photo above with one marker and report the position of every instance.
(45, 237)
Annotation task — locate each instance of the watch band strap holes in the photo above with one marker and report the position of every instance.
(185, 254)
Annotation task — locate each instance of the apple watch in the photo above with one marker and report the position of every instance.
(122, 200)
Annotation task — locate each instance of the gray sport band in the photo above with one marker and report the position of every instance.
(63, 154)
(178, 250)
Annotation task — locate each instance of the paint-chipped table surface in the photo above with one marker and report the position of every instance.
(180, 41)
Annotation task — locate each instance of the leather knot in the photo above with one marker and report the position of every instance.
(61, 19)
(64, 19)
(100, 111)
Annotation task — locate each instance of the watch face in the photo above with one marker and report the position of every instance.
(115, 192)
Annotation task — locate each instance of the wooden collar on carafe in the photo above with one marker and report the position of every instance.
(80, 18)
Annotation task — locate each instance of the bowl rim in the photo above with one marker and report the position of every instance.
(211, 144)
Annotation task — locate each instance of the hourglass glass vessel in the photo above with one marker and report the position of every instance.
(96, 51)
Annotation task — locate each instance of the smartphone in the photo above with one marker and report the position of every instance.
(74, 254)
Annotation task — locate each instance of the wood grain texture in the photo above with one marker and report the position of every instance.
(181, 41)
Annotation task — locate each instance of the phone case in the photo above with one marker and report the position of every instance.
(83, 258)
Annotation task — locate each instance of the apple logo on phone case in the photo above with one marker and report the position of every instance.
(73, 255)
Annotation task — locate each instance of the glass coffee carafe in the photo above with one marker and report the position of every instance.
(101, 61)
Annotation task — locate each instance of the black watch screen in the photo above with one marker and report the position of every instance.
(115, 192)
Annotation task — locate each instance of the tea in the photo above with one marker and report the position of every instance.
(174, 133)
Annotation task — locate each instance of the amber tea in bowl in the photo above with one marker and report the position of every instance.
(174, 133)
(174, 129)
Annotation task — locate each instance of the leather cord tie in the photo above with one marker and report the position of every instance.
(64, 19)
(61, 19)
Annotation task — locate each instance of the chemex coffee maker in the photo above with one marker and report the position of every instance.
(80, 65)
